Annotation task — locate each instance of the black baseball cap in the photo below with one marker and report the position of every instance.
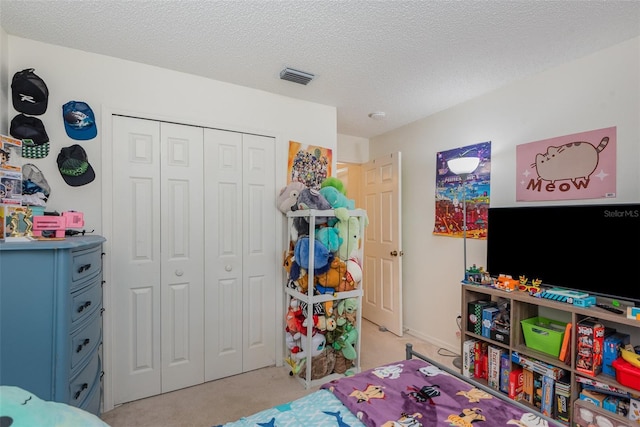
(74, 166)
(29, 92)
(35, 141)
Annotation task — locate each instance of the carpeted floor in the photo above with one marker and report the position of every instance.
(228, 399)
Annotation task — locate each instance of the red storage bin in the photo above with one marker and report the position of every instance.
(627, 374)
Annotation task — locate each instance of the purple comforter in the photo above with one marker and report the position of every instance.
(413, 393)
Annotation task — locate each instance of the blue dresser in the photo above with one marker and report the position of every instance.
(51, 319)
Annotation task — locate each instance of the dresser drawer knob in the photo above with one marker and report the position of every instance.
(81, 346)
(83, 306)
(79, 392)
(84, 268)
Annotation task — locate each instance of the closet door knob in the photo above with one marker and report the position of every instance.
(179, 273)
(228, 267)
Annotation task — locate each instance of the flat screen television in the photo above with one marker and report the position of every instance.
(590, 248)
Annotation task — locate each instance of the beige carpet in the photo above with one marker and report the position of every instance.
(229, 399)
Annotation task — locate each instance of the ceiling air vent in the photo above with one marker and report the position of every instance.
(296, 76)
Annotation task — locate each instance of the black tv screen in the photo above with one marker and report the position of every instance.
(591, 248)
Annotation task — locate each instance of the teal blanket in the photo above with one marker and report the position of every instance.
(19, 408)
(319, 409)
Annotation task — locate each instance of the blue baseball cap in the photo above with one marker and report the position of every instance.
(79, 120)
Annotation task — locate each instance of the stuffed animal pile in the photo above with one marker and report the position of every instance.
(336, 268)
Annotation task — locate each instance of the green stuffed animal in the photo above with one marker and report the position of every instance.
(336, 199)
(334, 182)
(349, 231)
(345, 342)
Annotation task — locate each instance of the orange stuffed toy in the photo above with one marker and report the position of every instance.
(332, 278)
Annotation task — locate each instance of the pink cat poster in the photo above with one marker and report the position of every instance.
(577, 166)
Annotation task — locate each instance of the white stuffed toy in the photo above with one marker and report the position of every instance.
(318, 343)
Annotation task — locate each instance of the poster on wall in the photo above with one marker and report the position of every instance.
(577, 166)
(308, 164)
(452, 192)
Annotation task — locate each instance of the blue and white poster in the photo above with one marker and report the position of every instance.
(452, 192)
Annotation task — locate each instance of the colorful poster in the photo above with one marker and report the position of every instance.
(451, 191)
(577, 166)
(308, 164)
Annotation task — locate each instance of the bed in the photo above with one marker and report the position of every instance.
(413, 392)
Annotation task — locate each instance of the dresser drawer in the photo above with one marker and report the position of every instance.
(85, 301)
(86, 339)
(85, 264)
(93, 400)
(82, 384)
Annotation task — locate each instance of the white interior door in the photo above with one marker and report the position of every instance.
(382, 266)
(182, 247)
(157, 258)
(240, 262)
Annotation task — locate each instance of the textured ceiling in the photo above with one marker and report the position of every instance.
(409, 59)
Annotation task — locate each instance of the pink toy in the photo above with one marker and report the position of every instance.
(59, 224)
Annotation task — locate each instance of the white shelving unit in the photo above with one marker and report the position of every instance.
(310, 299)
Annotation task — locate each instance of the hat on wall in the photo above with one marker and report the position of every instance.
(79, 120)
(33, 181)
(74, 166)
(35, 141)
(29, 92)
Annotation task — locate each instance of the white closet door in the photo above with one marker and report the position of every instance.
(240, 259)
(157, 255)
(182, 245)
(136, 259)
(259, 258)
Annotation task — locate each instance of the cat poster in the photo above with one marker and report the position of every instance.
(577, 166)
(451, 192)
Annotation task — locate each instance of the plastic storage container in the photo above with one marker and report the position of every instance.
(543, 334)
(627, 374)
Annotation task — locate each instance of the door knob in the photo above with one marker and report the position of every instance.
(395, 253)
(228, 268)
(179, 273)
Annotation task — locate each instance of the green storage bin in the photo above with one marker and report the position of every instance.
(544, 334)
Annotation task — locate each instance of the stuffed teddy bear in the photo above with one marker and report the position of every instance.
(336, 199)
(334, 182)
(308, 199)
(298, 278)
(346, 311)
(349, 231)
(318, 343)
(332, 278)
(321, 365)
(345, 342)
(288, 196)
(352, 279)
(329, 236)
(320, 255)
(294, 319)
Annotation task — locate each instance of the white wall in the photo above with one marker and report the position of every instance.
(352, 149)
(113, 85)
(598, 91)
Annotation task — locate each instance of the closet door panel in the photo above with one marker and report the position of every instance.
(136, 280)
(182, 246)
(260, 259)
(223, 251)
